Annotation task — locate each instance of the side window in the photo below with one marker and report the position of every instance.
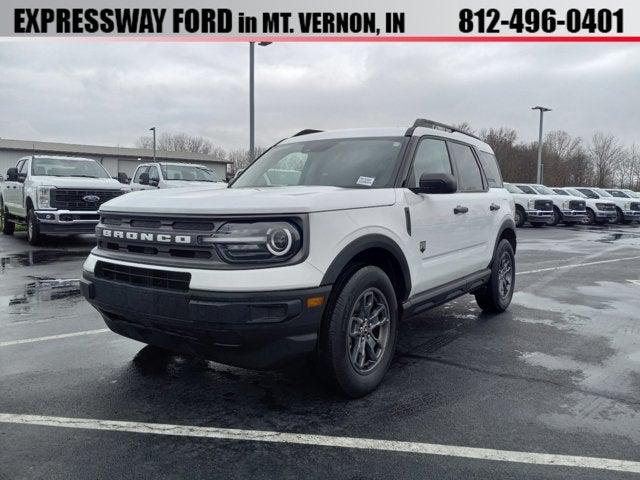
(139, 171)
(470, 178)
(153, 174)
(431, 157)
(23, 167)
(491, 170)
(19, 165)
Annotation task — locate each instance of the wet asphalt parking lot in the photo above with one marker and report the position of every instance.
(468, 395)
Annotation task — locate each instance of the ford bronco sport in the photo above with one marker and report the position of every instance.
(376, 224)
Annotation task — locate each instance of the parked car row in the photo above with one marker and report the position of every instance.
(58, 195)
(539, 205)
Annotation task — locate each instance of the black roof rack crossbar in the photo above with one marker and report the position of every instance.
(423, 122)
(306, 131)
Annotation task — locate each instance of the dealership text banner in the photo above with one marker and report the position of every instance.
(280, 20)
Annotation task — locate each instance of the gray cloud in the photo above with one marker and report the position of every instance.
(111, 92)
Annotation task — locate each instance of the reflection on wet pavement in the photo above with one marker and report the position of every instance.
(37, 257)
(41, 289)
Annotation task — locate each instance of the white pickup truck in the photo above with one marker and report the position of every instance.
(55, 195)
(150, 176)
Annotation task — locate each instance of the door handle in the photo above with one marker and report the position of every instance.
(460, 209)
(493, 207)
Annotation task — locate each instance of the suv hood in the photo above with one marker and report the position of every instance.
(277, 200)
(79, 182)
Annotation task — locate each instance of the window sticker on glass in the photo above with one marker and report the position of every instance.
(368, 181)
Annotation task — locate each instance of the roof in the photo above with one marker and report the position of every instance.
(35, 147)
(388, 132)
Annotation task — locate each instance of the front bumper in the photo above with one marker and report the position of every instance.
(260, 330)
(631, 214)
(67, 221)
(574, 215)
(539, 215)
(606, 215)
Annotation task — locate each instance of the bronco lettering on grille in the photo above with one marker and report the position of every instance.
(145, 237)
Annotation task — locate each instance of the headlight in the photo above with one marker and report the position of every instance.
(627, 206)
(246, 242)
(565, 203)
(44, 197)
(532, 203)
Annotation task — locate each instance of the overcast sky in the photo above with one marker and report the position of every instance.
(110, 93)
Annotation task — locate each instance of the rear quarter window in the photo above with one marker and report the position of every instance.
(491, 169)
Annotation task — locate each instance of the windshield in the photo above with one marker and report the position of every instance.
(340, 162)
(618, 193)
(527, 189)
(512, 188)
(576, 193)
(61, 167)
(188, 173)
(602, 193)
(559, 191)
(544, 190)
(588, 193)
(632, 194)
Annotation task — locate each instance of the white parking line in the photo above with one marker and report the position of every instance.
(53, 337)
(577, 265)
(326, 441)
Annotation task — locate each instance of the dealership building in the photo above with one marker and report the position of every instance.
(114, 159)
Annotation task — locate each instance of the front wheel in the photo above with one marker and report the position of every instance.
(8, 226)
(619, 216)
(590, 219)
(33, 228)
(520, 217)
(358, 337)
(557, 217)
(496, 295)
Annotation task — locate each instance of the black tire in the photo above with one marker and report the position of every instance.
(342, 335)
(619, 216)
(8, 227)
(557, 217)
(538, 224)
(520, 216)
(591, 217)
(33, 228)
(496, 296)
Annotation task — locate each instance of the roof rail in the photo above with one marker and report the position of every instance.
(423, 122)
(306, 131)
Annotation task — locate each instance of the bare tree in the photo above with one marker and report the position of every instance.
(606, 155)
(240, 157)
(182, 142)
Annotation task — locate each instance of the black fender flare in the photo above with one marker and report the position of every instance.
(507, 224)
(360, 245)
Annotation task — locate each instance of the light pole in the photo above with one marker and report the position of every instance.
(539, 172)
(153, 129)
(251, 99)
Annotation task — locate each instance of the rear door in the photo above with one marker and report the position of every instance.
(438, 233)
(473, 195)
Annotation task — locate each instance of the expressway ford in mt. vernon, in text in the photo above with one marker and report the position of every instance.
(315, 251)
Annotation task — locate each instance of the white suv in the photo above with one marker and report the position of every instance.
(375, 224)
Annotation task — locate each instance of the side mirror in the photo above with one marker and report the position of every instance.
(154, 182)
(144, 179)
(12, 174)
(123, 178)
(437, 183)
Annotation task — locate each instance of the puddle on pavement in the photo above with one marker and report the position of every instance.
(38, 257)
(614, 237)
(40, 290)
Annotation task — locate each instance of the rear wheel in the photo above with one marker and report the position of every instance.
(520, 216)
(7, 225)
(496, 296)
(33, 228)
(358, 337)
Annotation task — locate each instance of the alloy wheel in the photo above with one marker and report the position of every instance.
(505, 275)
(368, 330)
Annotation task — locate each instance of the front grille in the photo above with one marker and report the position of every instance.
(606, 207)
(70, 199)
(543, 205)
(635, 206)
(143, 277)
(577, 205)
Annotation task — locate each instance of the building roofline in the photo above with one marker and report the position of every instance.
(145, 154)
